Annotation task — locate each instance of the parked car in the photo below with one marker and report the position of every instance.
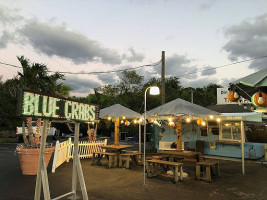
(71, 135)
(52, 131)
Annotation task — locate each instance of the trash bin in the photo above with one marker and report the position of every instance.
(200, 146)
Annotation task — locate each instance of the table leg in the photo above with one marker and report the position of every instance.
(198, 171)
(176, 178)
(181, 173)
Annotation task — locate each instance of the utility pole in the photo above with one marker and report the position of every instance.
(163, 77)
(192, 95)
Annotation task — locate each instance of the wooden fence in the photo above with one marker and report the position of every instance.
(64, 151)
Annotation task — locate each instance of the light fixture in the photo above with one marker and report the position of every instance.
(218, 119)
(260, 100)
(122, 121)
(236, 95)
(154, 90)
(170, 119)
(188, 120)
(135, 121)
(109, 118)
(211, 117)
(123, 117)
(203, 123)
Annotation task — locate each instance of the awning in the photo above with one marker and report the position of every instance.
(180, 107)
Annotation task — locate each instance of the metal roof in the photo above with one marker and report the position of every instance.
(181, 107)
(118, 110)
(257, 79)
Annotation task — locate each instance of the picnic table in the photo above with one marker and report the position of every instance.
(190, 156)
(112, 156)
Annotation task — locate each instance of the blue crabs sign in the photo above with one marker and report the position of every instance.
(38, 105)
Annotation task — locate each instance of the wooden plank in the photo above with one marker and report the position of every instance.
(81, 180)
(37, 194)
(75, 157)
(165, 162)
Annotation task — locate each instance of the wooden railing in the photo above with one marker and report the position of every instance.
(64, 151)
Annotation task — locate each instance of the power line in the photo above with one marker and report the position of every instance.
(149, 65)
(100, 72)
(242, 61)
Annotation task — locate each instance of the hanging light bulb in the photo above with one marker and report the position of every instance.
(109, 118)
(260, 100)
(135, 121)
(203, 123)
(211, 117)
(188, 119)
(123, 117)
(218, 120)
(236, 95)
(169, 119)
(122, 121)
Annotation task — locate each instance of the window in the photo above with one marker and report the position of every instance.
(231, 131)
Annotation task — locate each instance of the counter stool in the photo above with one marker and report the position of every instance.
(208, 166)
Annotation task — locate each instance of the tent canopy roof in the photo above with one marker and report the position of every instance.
(257, 79)
(181, 107)
(118, 110)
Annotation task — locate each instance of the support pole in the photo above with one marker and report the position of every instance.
(178, 130)
(140, 137)
(75, 157)
(41, 168)
(242, 146)
(163, 77)
(117, 130)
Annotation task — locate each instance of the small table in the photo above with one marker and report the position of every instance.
(116, 149)
(182, 154)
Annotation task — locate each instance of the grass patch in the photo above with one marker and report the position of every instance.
(8, 140)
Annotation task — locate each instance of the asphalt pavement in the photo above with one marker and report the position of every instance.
(120, 183)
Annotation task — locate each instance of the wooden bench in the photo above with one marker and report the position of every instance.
(134, 156)
(208, 166)
(112, 158)
(153, 168)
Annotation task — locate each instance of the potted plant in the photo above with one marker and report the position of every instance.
(29, 151)
(35, 77)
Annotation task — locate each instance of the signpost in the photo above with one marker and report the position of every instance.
(47, 107)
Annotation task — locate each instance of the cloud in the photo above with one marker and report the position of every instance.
(208, 4)
(208, 71)
(134, 56)
(198, 82)
(80, 85)
(5, 39)
(178, 65)
(57, 40)
(107, 78)
(248, 40)
(9, 17)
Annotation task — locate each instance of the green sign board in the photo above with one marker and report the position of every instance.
(38, 105)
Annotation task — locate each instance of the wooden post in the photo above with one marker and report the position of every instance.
(140, 137)
(117, 130)
(75, 153)
(163, 77)
(77, 169)
(242, 146)
(42, 173)
(178, 130)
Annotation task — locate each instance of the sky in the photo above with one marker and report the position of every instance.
(104, 35)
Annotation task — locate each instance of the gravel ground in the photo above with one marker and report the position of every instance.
(120, 183)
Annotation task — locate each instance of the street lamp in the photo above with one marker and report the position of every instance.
(154, 90)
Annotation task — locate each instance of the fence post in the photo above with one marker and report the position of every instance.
(68, 150)
(55, 157)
